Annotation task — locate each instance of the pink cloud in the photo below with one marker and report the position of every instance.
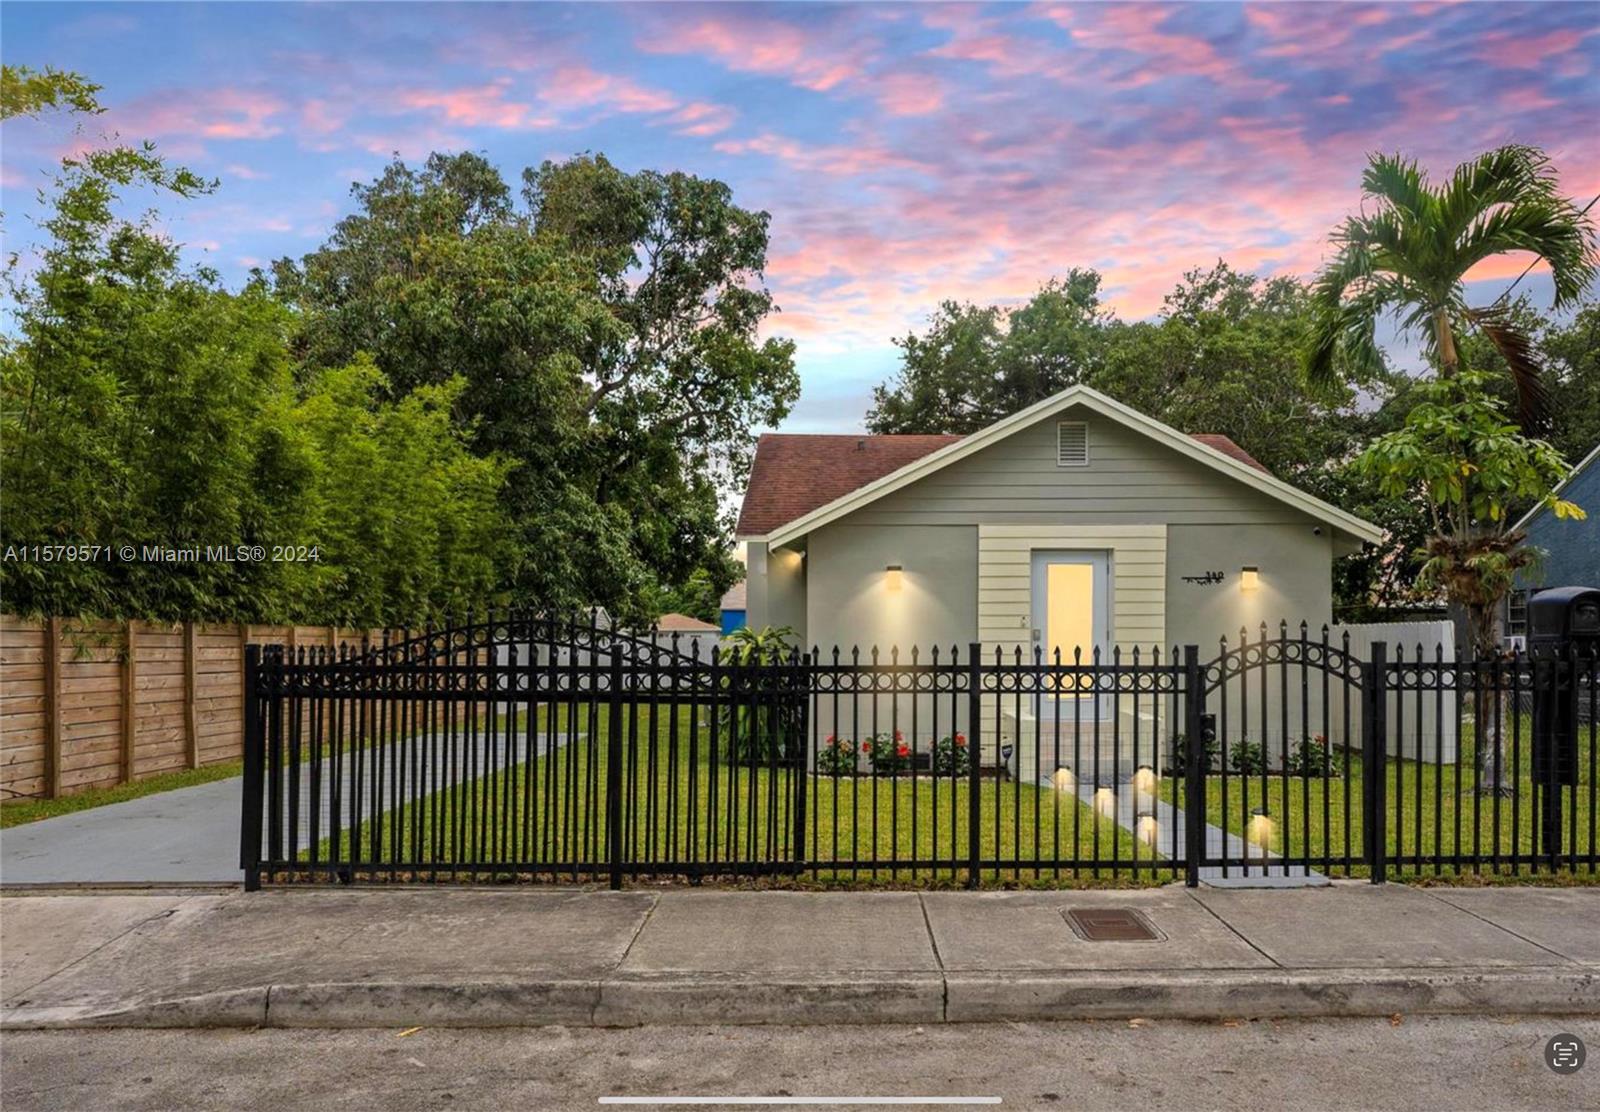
(244, 173)
(835, 160)
(319, 117)
(1508, 51)
(475, 106)
(576, 85)
(749, 43)
(834, 55)
(909, 94)
(702, 118)
(409, 142)
(226, 114)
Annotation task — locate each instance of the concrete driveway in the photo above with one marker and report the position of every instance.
(190, 835)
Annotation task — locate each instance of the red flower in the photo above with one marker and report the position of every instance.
(898, 736)
(961, 739)
(830, 739)
(866, 746)
(903, 751)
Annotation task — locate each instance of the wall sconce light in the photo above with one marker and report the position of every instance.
(1105, 803)
(1249, 577)
(894, 577)
(1147, 829)
(1064, 781)
(1144, 780)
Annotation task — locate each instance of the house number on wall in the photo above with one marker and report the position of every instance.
(1205, 580)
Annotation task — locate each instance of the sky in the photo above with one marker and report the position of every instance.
(907, 153)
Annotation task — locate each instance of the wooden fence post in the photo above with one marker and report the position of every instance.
(130, 699)
(190, 720)
(52, 707)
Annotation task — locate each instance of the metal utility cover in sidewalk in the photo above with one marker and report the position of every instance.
(1112, 924)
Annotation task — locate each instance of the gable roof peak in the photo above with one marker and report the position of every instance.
(789, 495)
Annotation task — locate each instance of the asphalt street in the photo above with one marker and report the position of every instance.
(1395, 1064)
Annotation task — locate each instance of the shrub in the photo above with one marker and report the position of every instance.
(1310, 757)
(757, 734)
(1247, 757)
(888, 753)
(837, 757)
(951, 755)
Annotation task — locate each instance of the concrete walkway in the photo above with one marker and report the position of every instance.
(191, 835)
(526, 957)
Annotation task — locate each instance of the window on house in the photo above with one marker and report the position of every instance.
(1072, 443)
(1517, 614)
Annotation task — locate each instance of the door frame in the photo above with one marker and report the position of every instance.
(1099, 559)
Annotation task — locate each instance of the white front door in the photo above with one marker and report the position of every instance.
(1071, 613)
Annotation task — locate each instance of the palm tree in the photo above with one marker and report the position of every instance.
(1410, 253)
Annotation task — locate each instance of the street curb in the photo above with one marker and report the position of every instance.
(913, 998)
(975, 998)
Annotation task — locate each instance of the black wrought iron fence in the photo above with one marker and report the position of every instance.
(516, 747)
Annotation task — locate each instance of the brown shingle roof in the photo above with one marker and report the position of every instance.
(794, 474)
(682, 623)
(1228, 448)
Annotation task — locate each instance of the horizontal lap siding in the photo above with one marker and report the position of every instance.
(93, 711)
(1130, 479)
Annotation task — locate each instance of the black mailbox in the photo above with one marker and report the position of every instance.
(1563, 624)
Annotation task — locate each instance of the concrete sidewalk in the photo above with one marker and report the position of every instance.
(470, 957)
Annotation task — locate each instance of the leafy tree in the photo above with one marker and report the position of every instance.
(144, 404)
(25, 91)
(977, 364)
(131, 399)
(1572, 353)
(1470, 465)
(1222, 358)
(406, 517)
(606, 335)
(698, 597)
(1411, 252)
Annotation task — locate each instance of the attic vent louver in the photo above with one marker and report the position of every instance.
(1072, 444)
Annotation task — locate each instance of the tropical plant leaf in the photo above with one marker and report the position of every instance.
(1516, 348)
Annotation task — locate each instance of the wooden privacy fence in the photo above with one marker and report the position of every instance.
(92, 704)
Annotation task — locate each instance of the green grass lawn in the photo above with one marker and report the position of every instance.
(1431, 816)
(552, 810)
